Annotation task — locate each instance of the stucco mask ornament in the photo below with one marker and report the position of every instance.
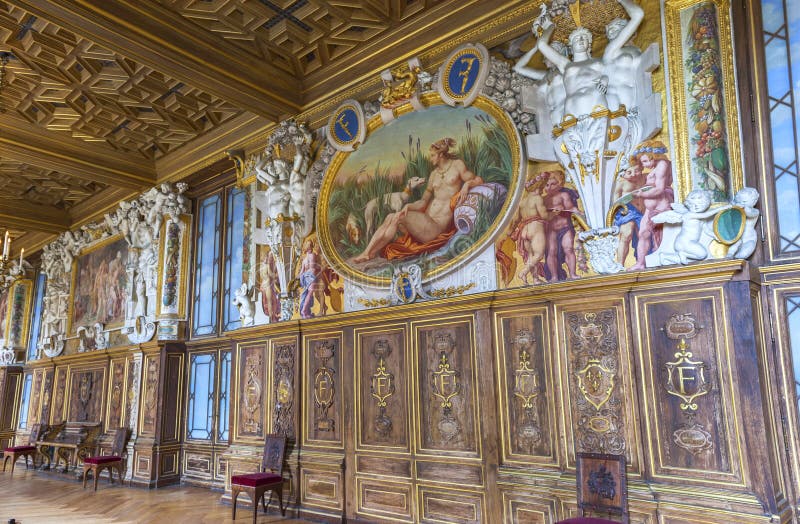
(244, 300)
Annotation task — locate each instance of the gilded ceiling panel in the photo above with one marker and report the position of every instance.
(62, 82)
(32, 185)
(299, 36)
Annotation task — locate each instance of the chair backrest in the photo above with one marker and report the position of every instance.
(36, 432)
(121, 436)
(274, 448)
(602, 484)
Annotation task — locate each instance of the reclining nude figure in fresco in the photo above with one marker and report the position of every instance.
(427, 224)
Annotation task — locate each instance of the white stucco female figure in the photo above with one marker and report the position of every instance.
(545, 99)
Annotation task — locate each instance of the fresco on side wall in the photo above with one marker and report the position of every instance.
(3, 312)
(540, 244)
(427, 190)
(99, 287)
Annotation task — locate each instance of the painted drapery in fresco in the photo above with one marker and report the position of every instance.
(99, 287)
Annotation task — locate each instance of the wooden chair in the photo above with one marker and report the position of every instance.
(28, 450)
(269, 478)
(602, 487)
(110, 462)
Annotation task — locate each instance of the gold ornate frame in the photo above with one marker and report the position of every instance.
(375, 123)
(85, 251)
(677, 81)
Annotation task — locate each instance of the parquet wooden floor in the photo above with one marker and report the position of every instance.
(33, 498)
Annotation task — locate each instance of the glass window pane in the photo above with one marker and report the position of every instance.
(234, 254)
(781, 25)
(26, 397)
(200, 413)
(206, 287)
(224, 396)
(36, 323)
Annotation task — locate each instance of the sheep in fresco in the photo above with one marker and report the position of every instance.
(394, 201)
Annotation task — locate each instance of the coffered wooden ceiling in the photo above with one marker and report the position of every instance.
(101, 99)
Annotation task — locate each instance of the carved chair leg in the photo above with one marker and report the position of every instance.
(279, 493)
(252, 494)
(97, 472)
(85, 472)
(13, 463)
(5, 461)
(234, 496)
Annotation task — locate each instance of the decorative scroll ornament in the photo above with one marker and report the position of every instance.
(682, 326)
(693, 438)
(252, 393)
(595, 367)
(283, 423)
(527, 388)
(686, 378)
(446, 386)
(347, 127)
(382, 386)
(526, 382)
(324, 387)
(463, 74)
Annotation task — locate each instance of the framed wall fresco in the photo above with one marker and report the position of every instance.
(705, 115)
(15, 312)
(424, 160)
(172, 279)
(98, 293)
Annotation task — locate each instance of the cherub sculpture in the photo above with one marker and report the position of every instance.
(244, 301)
(693, 215)
(746, 199)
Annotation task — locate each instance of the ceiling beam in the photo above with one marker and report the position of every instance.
(22, 141)
(33, 217)
(169, 43)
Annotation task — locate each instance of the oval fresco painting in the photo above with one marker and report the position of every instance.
(431, 188)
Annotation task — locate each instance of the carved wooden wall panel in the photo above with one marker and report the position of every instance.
(172, 393)
(10, 393)
(444, 506)
(688, 382)
(86, 394)
(522, 509)
(321, 484)
(149, 397)
(381, 410)
(249, 412)
(47, 395)
(117, 393)
(59, 395)
(527, 395)
(323, 390)
(36, 396)
(445, 387)
(284, 386)
(597, 380)
(382, 499)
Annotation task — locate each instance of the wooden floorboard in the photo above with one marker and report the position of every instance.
(33, 497)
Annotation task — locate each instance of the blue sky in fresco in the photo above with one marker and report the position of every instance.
(782, 71)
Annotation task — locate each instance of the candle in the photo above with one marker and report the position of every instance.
(6, 246)
(21, 253)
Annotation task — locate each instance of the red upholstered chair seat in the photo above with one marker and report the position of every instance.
(255, 479)
(17, 449)
(587, 520)
(102, 460)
